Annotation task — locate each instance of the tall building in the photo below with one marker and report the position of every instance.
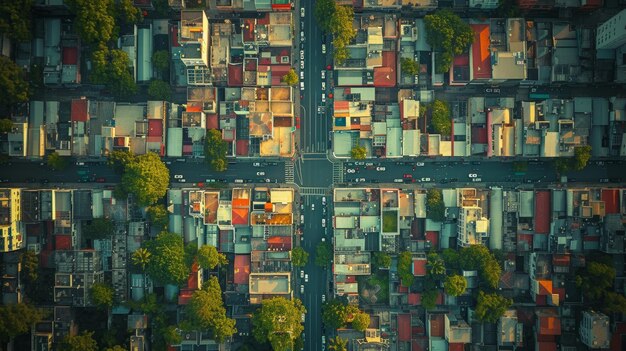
(11, 227)
(612, 33)
(594, 330)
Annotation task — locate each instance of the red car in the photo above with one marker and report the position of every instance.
(408, 176)
(100, 180)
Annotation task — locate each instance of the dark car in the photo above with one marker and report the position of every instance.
(100, 180)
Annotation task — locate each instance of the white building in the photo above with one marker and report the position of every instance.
(612, 33)
(594, 329)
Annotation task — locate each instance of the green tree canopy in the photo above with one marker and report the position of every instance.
(299, 257)
(455, 285)
(57, 162)
(429, 299)
(30, 264)
(171, 335)
(98, 228)
(119, 159)
(81, 342)
(94, 19)
(490, 307)
(448, 35)
(360, 321)
(382, 260)
(277, 321)
(159, 90)
(336, 20)
(102, 295)
(562, 164)
(358, 153)
(338, 344)
(405, 261)
(324, 10)
(147, 179)
(17, 320)
(5, 125)
(158, 216)
(613, 303)
(334, 313)
(291, 78)
(409, 66)
(215, 150)
(116, 348)
(208, 257)
(595, 279)
(440, 117)
(111, 67)
(475, 257)
(206, 311)
(435, 208)
(128, 12)
(141, 257)
(161, 60)
(582, 154)
(435, 265)
(323, 254)
(15, 19)
(12, 83)
(167, 259)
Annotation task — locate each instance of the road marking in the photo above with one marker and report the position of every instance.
(310, 191)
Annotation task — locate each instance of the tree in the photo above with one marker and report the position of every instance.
(147, 179)
(405, 261)
(334, 314)
(323, 254)
(159, 90)
(5, 125)
(358, 152)
(343, 32)
(429, 299)
(115, 348)
(102, 295)
(299, 257)
(30, 264)
(209, 258)
(119, 159)
(435, 208)
(277, 321)
(476, 257)
(614, 303)
(448, 35)
(15, 19)
(382, 260)
(57, 162)
(562, 164)
(595, 280)
(582, 154)
(490, 307)
(17, 319)
(215, 150)
(440, 118)
(141, 257)
(128, 12)
(94, 19)
(161, 60)
(409, 66)
(171, 335)
(206, 311)
(12, 83)
(324, 10)
(158, 215)
(111, 67)
(435, 265)
(455, 285)
(81, 342)
(337, 344)
(291, 78)
(167, 261)
(361, 321)
(99, 228)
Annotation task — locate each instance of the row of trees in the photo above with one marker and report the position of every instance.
(582, 155)
(336, 20)
(215, 149)
(338, 314)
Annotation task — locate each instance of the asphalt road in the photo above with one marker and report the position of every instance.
(314, 171)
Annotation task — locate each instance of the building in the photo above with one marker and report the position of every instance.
(472, 227)
(11, 227)
(76, 272)
(612, 33)
(510, 331)
(194, 38)
(594, 330)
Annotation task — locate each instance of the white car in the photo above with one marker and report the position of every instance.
(301, 274)
(477, 180)
(302, 12)
(256, 164)
(323, 298)
(324, 200)
(80, 163)
(178, 176)
(420, 164)
(301, 54)
(303, 318)
(398, 180)
(323, 48)
(301, 64)
(350, 170)
(302, 36)
(301, 75)
(301, 289)
(181, 180)
(359, 180)
(323, 74)
(381, 169)
(260, 173)
(323, 98)
(323, 86)
(426, 179)
(472, 175)
(323, 222)
(312, 207)
(306, 278)
(302, 86)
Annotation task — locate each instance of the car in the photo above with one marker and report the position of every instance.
(359, 180)
(100, 180)
(323, 339)
(323, 210)
(303, 318)
(182, 181)
(301, 75)
(419, 164)
(324, 200)
(600, 163)
(323, 222)
(302, 12)
(472, 175)
(381, 169)
(302, 219)
(323, 298)
(323, 48)
(398, 180)
(301, 289)
(604, 180)
(238, 180)
(323, 239)
(302, 36)
(323, 97)
(477, 180)
(407, 176)
(323, 74)
(426, 179)
(306, 278)
(260, 173)
(350, 170)
(323, 86)
(312, 207)
(301, 274)
(80, 163)
(301, 54)
(256, 164)
(302, 64)
(178, 176)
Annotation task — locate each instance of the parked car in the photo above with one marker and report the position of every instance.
(323, 222)
(419, 164)
(472, 175)
(260, 173)
(306, 278)
(323, 48)
(312, 207)
(178, 176)
(381, 169)
(324, 200)
(301, 289)
(323, 74)
(302, 12)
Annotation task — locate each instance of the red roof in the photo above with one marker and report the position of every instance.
(242, 269)
(456, 346)
(235, 74)
(79, 110)
(184, 296)
(62, 242)
(616, 338)
(461, 60)
(265, 19)
(155, 127)
(561, 260)
(419, 267)
(437, 325)
(248, 29)
(280, 243)
(419, 344)
(415, 299)
(174, 34)
(433, 237)
(212, 121)
(192, 280)
(242, 147)
(385, 76)
(278, 71)
(549, 325)
(481, 57)
(404, 327)
(479, 135)
(250, 65)
(611, 200)
(70, 56)
(240, 216)
(546, 346)
(545, 286)
(350, 279)
(542, 212)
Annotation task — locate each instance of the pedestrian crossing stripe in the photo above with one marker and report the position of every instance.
(313, 191)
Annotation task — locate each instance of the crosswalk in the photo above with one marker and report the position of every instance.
(338, 172)
(289, 172)
(308, 191)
